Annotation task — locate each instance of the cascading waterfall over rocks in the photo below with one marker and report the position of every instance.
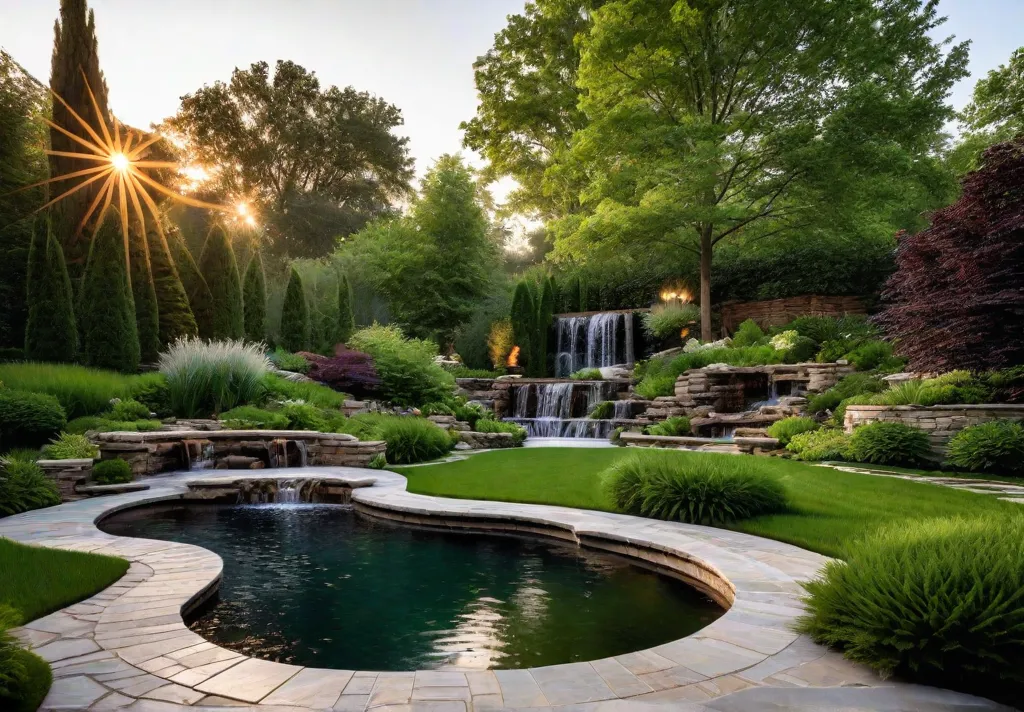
(593, 341)
(560, 409)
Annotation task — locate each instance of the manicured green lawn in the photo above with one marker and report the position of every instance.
(37, 581)
(828, 508)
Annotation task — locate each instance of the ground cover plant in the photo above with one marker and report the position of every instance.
(934, 601)
(99, 424)
(828, 508)
(317, 394)
(784, 430)
(989, 447)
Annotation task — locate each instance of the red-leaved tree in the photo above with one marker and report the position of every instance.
(348, 371)
(956, 299)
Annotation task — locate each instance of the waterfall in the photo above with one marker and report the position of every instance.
(560, 409)
(289, 492)
(623, 409)
(773, 395)
(593, 341)
(197, 454)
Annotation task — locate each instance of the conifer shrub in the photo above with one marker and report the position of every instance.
(173, 310)
(748, 333)
(989, 447)
(220, 272)
(346, 317)
(295, 315)
(28, 419)
(128, 409)
(694, 489)
(885, 443)
(24, 487)
(200, 299)
(254, 300)
(408, 374)
(106, 309)
(208, 377)
(936, 601)
(112, 472)
(676, 426)
(70, 446)
(522, 318)
(784, 430)
(51, 333)
(147, 311)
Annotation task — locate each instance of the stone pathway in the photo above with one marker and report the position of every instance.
(1004, 490)
(127, 648)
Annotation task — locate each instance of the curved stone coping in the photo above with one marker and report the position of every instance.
(129, 641)
(159, 436)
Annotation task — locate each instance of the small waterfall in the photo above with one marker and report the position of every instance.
(623, 409)
(593, 341)
(289, 492)
(773, 395)
(197, 454)
(560, 409)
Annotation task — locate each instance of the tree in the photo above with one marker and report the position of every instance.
(317, 163)
(545, 316)
(523, 316)
(200, 298)
(147, 311)
(254, 300)
(50, 334)
(75, 62)
(174, 313)
(528, 110)
(717, 120)
(434, 266)
(295, 315)
(106, 310)
(956, 300)
(346, 319)
(219, 271)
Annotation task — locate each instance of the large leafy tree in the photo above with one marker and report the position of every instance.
(318, 162)
(435, 265)
(725, 119)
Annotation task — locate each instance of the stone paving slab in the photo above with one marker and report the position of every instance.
(127, 648)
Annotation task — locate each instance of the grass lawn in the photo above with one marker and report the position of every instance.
(37, 581)
(828, 508)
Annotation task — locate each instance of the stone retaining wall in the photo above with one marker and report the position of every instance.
(744, 445)
(152, 453)
(67, 474)
(492, 393)
(941, 422)
(776, 312)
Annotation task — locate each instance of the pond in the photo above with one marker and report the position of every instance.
(325, 586)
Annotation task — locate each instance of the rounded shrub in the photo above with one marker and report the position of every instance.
(128, 409)
(411, 439)
(935, 601)
(675, 426)
(24, 486)
(821, 444)
(784, 430)
(989, 447)
(249, 417)
(695, 489)
(112, 472)
(303, 416)
(28, 419)
(884, 443)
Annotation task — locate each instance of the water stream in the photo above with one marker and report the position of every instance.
(593, 341)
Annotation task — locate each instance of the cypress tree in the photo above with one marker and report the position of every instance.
(200, 300)
(220, 272)
(346, 318)
(110, 337)
(51, 334)
(254, 300)
(74, 52)
(147, 314)
(545, 314)
(295, 315)
(522, 315)
(175, 314)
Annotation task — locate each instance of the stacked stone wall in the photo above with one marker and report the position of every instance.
(776, 312)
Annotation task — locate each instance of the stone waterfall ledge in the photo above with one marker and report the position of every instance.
(743, 445)
(128, 647)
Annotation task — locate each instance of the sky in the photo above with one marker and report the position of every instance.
(416, 54)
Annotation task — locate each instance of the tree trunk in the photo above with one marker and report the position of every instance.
(705, 283)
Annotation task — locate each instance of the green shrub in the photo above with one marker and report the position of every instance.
(406, 366)
(25, 678)
(436, 409)
(70, 446)
(254, 300)
(411, 439)
(850, 385)
(885, 443)
(839, 415)
(656, 386)
(313, 393)
(869, 355)
(834, 350)
(827, 328)
(587, 374)
(821, 444)
(207, 377)
(602, 411)
(667, 320)
(28, 419)
(24, 486)
(1007, 385)
(784, 430)
(695, 489)
(303, 416)
(81, 391)
(934, 601)
(128, 409)
(23, 454)
(111, 472)
(517, 432)
(677, 426)
(802, 350)
(287, 361)
(250, 417)
(295, 325)
(471, 413)
(99, 424)
(989, 447)
(378, 462)
(748, 333)
(152, 391)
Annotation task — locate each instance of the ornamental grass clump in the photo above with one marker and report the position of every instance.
(938, 601)
(885, 443)
(70, 446)
(694, 489)
(676, 426)
(207, 377)
(410, 439)
(666, 320)
(24, 486)
(784, 430)
(989, 447)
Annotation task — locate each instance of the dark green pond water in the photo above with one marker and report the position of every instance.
(324, 586)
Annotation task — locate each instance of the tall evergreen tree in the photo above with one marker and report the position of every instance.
(147, 314)
(106, 310)
(74, 54)
(175, 314)
(254, 300)
(346, 317)
(295, 315)
(545, 315)
(523, 316)
(220, 272)
(51, 334)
